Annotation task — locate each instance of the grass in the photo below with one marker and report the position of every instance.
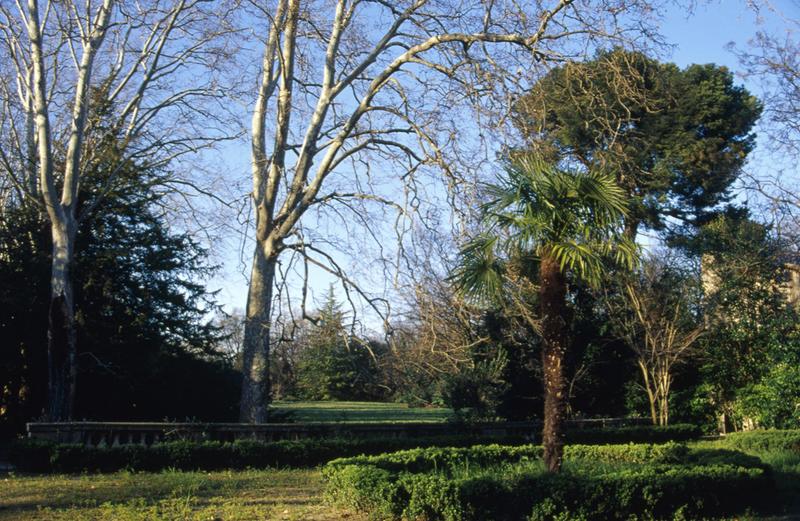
(168, 496)
(354, 412)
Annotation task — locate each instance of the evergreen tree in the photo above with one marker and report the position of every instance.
(750, 370)
(675, 139)
(333, 364)
(146, 349)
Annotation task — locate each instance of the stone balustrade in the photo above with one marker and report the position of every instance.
(147, 433)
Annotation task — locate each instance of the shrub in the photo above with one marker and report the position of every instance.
(448, 458)
(634, 434)
(764, 441)
(670, 452)
(509, 483)
(444, 458)
(42, 456)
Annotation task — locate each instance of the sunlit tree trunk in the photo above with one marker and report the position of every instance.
(54, 52)
(61, 334)
(366, 100)
(256, 349)
(552, 293)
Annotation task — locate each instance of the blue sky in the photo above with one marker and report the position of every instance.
(700, 37)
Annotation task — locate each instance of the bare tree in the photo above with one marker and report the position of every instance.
(148, 60)
(652, 314)
(774, 61)
(771, 59)
(440, 331)
(231, 328)
(366, 97)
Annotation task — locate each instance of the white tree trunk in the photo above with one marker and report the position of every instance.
(57, 52)
(256, 349)
(347, 95)
(61, 334)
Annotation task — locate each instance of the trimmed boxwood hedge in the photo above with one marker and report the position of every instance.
(764, 441)
(444, 458)
(509, 483)
(42, 456)
(39, 456)
(634, 434)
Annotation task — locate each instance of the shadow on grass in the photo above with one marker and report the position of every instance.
(249, 488)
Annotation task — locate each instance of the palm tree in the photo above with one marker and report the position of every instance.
(566, 223)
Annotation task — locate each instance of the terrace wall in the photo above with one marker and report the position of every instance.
(146, 433)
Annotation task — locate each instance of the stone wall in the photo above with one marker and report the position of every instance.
(147, 433)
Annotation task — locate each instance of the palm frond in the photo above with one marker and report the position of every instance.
(575, 215)
(481, 272)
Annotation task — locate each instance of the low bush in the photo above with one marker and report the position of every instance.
(444, 458)
(764, 441)
(626, 482)
(41, 456)
(448, 458)
(634, 434)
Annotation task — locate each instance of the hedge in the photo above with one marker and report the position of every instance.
(448, 458)
(41, 456)
(508, 483)
(764, 441)
(634, 434)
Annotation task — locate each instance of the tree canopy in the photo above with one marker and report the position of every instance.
(676, 139)
(146, 348)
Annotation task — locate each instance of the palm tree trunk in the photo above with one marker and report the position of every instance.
(552, 294)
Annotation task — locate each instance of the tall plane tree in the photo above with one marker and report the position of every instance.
(144, 57)
(358, 99)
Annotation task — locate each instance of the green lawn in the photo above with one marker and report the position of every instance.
(168, 496)
(358, 412)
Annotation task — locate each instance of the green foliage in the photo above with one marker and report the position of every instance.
(443, 458)
(561, 223)
(774, 401)
(535, 209)
(749, 372)
(367, 489)
(635, 434)
(24, 272)
(780, 449)
(334, 365)
(764, 441)
(674, 138)
(630, 482)
(145, 346)
(41, 456)
(475, 392)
